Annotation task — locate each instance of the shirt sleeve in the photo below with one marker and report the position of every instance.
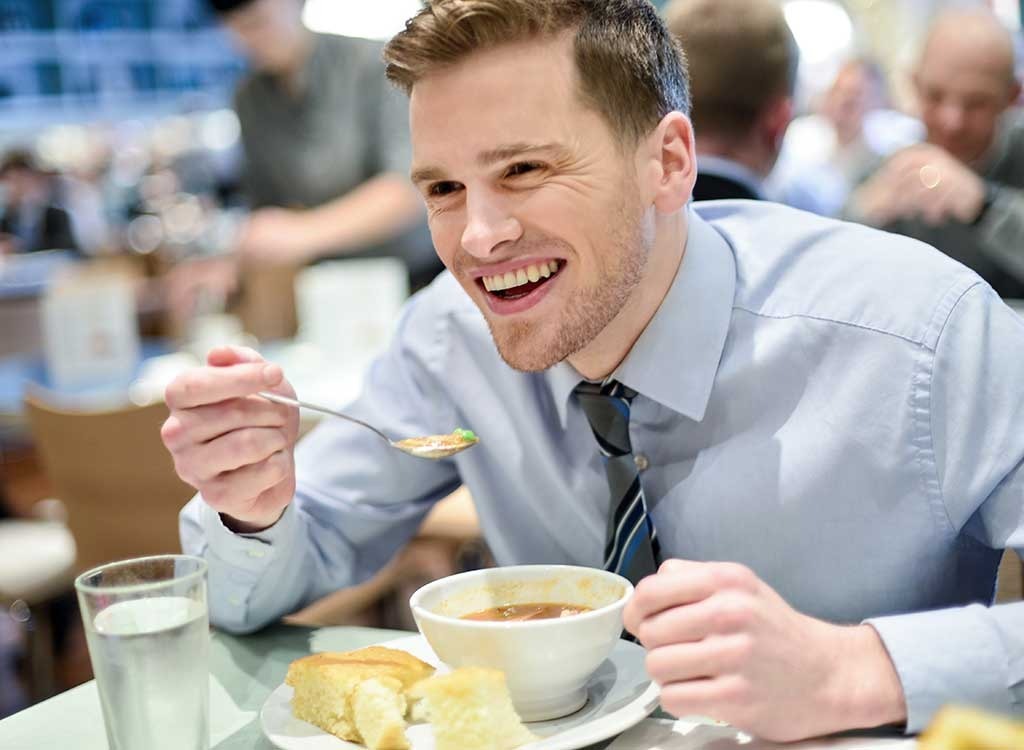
(357, 502)
(972, 654)
(1001, 231)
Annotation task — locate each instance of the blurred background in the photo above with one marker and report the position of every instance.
(141, 222)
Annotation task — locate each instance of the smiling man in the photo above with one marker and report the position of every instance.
(658, 388)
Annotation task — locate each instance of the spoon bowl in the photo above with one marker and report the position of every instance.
(430, 447)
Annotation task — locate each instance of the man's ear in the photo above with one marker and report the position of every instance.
(1014, 94)
(774, 122)
(669, 163)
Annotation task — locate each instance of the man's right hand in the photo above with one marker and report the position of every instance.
(236, 448)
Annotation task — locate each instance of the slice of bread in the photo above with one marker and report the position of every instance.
(470, 709)
(378, 712)
(324, 685)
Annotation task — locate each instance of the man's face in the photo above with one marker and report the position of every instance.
(270, 32)
(533, 204)
(963, 89)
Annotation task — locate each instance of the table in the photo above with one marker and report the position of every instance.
(244, 670)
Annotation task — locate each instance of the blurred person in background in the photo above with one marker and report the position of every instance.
(31, 219)
(960, 191)
(326, 145)
(743, 61)
(828, 152)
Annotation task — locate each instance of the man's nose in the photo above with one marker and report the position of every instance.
(951, 117)
(489, 223)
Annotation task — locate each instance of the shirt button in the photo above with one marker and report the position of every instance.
(256, 553)
(641, 461)
(234, 601)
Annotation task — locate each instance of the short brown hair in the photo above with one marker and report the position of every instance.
(742, 56)
(631, 70)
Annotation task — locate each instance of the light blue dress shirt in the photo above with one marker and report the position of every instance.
(838, 408)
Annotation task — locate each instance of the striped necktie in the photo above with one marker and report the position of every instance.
(632, 548)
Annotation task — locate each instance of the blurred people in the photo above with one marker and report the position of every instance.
(31, 219)
(827, 153)
(326, 144)
(743, 62)
(961, 190)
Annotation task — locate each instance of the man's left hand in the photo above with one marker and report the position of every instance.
(722, 643)
(936, 186)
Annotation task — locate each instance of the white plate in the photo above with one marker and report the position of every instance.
(620, 695)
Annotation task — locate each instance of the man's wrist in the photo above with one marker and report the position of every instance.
(251, 526)
(991, 192)
(868, 692)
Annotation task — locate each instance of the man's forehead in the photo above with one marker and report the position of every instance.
(493, 105)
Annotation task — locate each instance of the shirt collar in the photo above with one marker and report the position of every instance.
(731, 170)
(675, 360)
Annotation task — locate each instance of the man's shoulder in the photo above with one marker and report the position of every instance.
(791, 263)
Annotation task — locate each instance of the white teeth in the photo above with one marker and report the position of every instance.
(512, 279)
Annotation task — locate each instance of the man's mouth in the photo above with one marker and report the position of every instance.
(520, 282)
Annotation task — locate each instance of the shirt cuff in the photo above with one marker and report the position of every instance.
(240, 564)
(946, 656)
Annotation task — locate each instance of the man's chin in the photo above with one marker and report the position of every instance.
(524, 348)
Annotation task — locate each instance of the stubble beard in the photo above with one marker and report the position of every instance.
(539, 345)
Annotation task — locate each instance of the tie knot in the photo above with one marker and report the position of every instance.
(609, 388)
(607, 408)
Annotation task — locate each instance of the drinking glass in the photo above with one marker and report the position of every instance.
(146, 624)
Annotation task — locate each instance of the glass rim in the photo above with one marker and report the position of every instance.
(130, 588)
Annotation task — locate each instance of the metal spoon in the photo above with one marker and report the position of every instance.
(431, 446)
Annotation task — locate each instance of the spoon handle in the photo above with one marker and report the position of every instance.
(278, 399)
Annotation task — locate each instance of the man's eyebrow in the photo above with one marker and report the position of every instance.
(426, 174)
(492, 156)
(512, 150)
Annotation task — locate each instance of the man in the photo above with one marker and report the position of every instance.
(827, 153)
(961, 190)
(833, 409)
(30, 220)
(743, 60)
(325, 142)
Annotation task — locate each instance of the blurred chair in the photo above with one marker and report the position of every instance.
(1010, 582)
(115, 477)
(37, 560)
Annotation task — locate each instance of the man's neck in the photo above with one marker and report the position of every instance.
(745, 152)
(293, 78)
(603, 355)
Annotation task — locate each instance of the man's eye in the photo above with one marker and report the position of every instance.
(521, 168)
(439, 189)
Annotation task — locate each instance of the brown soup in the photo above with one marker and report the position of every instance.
(531, 611)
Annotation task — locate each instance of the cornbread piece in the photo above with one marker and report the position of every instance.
(961, 728)
(470, 709)
(324, 684)
(378, 712)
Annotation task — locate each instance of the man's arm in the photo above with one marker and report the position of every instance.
(1000, 230)
(972, 654)
(377, 210)
(722, 643)
(355, 503)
